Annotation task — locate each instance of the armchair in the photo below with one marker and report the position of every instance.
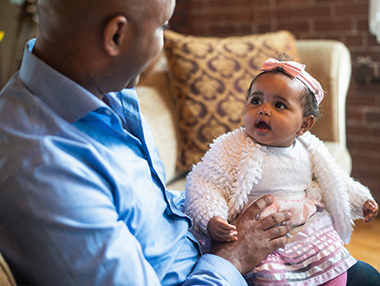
(328, 60)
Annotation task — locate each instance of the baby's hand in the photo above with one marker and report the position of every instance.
(370, 210)
(220, 230)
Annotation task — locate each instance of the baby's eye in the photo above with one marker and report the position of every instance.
(255, 100)
(280, 105)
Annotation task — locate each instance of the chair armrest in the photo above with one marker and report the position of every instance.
(330, 63)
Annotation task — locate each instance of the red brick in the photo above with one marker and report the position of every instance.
(264, 16)
(367, 173)
(352, 9)
(374, 187)
(336, 37)
(229, 4)
(241, 16)
(294, 27)
(369, 93)
(362, 25)
(364, 157)
(264, 28)
(332, 1)
(353, 114)
(354, 40)
(371, 90)
(293, 2)
(375, 131)
(227, 16)
(369, 146)
(372, 41)
(373, 116)
(184, 4)
(221, 31)
(333, 26)
(358, 130)
(297, 13)
(360, 100)
(362, 160)
(200, 19)
(375, 57)
(246, 30)
(200, 31)
(259, 3)
(197, 4)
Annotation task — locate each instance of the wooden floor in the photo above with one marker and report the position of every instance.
(365, 242)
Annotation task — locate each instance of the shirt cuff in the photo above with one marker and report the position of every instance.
(220, 269)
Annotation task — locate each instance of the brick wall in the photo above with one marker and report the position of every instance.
(343, 20)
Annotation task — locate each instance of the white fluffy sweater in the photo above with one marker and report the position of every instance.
(220, 183)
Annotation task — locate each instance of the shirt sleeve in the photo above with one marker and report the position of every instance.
(214, 270)
(66, 231)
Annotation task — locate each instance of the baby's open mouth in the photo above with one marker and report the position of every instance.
(262, 125)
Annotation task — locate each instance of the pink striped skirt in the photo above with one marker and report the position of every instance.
(314, 255)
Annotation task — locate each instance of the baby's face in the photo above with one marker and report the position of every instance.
(273, 114)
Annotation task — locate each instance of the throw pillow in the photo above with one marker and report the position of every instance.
(210, 78)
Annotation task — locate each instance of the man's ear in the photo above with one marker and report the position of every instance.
(307, 123)
(115, 35)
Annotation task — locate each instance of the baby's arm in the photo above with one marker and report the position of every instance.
(220, 230)
(370, 210)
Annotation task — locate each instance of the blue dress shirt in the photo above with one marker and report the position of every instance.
(82, 191)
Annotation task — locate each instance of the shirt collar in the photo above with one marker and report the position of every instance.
(65, 97)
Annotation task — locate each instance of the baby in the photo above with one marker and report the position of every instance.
(274, 153)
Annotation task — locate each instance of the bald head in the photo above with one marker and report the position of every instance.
(101, 44)
(67, 19)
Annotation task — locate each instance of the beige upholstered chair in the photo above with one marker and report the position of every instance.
(6, 277)
(330, 62)
(327, 60)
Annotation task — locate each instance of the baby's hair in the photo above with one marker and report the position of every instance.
(307, 100)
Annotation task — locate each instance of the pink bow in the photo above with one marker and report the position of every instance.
(291, 68)
(296, 70)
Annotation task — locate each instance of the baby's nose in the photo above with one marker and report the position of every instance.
(264, 109)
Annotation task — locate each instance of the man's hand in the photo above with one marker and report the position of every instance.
(220, 230)
(370, 210)
(256, 238)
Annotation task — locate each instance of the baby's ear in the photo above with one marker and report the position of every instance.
(307, 123)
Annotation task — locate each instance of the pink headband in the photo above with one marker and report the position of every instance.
(297, 71)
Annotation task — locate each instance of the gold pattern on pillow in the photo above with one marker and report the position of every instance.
(210, 79)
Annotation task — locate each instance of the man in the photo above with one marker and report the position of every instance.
(82, 198)
(82, 194)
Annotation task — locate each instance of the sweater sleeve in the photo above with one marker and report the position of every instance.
(213, 185)
(207, 187)
(343, 196)
(358, 194)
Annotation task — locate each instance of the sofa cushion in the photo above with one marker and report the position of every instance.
(210, 78)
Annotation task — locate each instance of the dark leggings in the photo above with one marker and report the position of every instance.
(363, 274)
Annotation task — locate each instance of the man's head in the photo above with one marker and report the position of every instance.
(102, 45)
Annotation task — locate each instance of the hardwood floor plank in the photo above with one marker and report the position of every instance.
(365, 242)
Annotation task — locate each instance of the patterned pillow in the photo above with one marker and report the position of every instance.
(210, 78)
